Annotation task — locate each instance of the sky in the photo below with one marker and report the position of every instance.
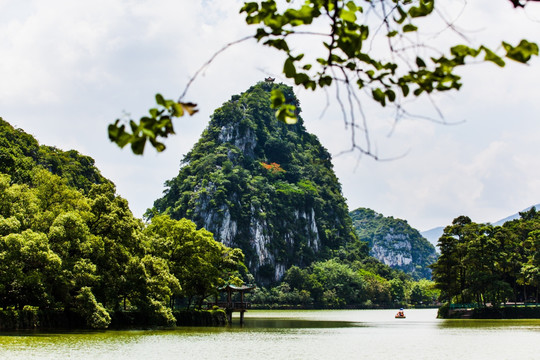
(70, 68)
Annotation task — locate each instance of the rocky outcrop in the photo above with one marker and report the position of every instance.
(263, 186)
(394, 242)
(393, 250)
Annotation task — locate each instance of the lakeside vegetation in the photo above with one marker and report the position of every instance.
(347, 280)
(72, 253)
(488, 266)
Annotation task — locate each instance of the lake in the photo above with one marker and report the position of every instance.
(319, 334)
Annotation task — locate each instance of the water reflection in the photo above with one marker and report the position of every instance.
(288, 323)
(283, 335)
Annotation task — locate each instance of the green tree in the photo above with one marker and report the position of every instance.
(151, 287)
(341, 284)
(29, 270)
(200, 263)
(95, 315)
(486, 264)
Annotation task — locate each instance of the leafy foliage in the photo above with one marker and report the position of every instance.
(21, 155)
(486, 264)
(344, 57)
(151, 128)
(81, 251)
(353, 282)
(348, 57)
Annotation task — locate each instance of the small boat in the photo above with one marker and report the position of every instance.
(400, 314)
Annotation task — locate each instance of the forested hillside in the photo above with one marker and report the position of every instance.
(21, 155)
(72, 254)
(394, 242)
(261, 185)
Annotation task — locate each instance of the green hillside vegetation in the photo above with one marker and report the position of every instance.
(72, 254)
(21, 155)
(248, 171)
(396, 241)
(488, 266)
(346, 281)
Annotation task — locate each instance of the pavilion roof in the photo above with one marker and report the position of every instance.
(230, 287)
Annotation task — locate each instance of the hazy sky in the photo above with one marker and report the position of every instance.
(69, 68)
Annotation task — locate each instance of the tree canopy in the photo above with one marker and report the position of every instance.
(486, 264)
(402, 67)
(70, 245)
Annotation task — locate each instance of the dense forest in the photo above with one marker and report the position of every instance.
(71, 249)
(490, 265)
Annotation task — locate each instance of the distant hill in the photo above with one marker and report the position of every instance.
(433, 235)
(394, 242)
(21, 154)
(514, 216)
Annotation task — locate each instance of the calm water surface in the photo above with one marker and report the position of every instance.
(339, 334)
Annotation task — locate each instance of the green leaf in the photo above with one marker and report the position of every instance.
(277, 98)
(348, 16)
(137, 145)
(409, 28)
(178, 110)
(153, 112)
(494, 58)
(249, 7)
(279, 44)
(160, 100)
(352, 6)
(286, 113)
(157, 145)
(379, 96)
(405, 89)
(325, 80)
(288, 68)
(420, 63)
(425, 8)
(521, 53)
(392, 33)
(391, 95)
(402, 14)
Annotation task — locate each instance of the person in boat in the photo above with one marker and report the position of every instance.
(400, 313)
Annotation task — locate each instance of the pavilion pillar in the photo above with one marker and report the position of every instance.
(242, 317)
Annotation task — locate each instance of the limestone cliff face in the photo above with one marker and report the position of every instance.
(394, 242)
(263, 186)
(393, 250)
